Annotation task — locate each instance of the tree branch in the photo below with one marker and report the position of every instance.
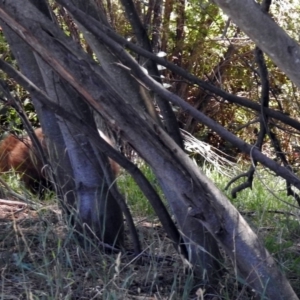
(108, 150)
(269, 36)
(99, 30)
(143, 39)
(139, 73)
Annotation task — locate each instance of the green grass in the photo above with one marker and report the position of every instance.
(136, 200)
(42, 260)
(266, 207)
(273, 215)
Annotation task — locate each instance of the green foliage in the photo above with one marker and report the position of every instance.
(14, 182)
(66, 271)
(47, 258)
(9, 118)
(272, 215)
(134, 196)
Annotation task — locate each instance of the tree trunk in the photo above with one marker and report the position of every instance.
(192, 196)
(203, 250)
(83, 189)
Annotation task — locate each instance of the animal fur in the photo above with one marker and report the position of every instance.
(20, 155)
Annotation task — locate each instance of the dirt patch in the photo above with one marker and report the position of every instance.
(41, 259)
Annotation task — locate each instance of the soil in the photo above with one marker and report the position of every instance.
(41, 259)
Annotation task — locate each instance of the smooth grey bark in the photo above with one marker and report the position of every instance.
(84, 193)
(204, 202)
(96, 208)
(269, 36)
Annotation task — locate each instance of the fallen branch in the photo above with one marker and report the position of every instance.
(24, 199)
(12, 202)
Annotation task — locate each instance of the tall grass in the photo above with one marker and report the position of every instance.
(41, 259)
(272, 214)
(136, 200)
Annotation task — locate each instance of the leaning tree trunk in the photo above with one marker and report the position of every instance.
(197, 197)
(60, 163)
(202, 248)
(83, 189)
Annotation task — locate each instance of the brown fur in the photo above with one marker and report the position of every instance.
(19, 154)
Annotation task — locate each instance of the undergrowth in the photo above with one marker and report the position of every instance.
(273, 216)
(41, 259)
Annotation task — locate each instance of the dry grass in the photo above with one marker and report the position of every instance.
(40, 258)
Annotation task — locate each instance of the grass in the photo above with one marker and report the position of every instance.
(40, 259)
(269, 211)
(273, 215)
(136, 200)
